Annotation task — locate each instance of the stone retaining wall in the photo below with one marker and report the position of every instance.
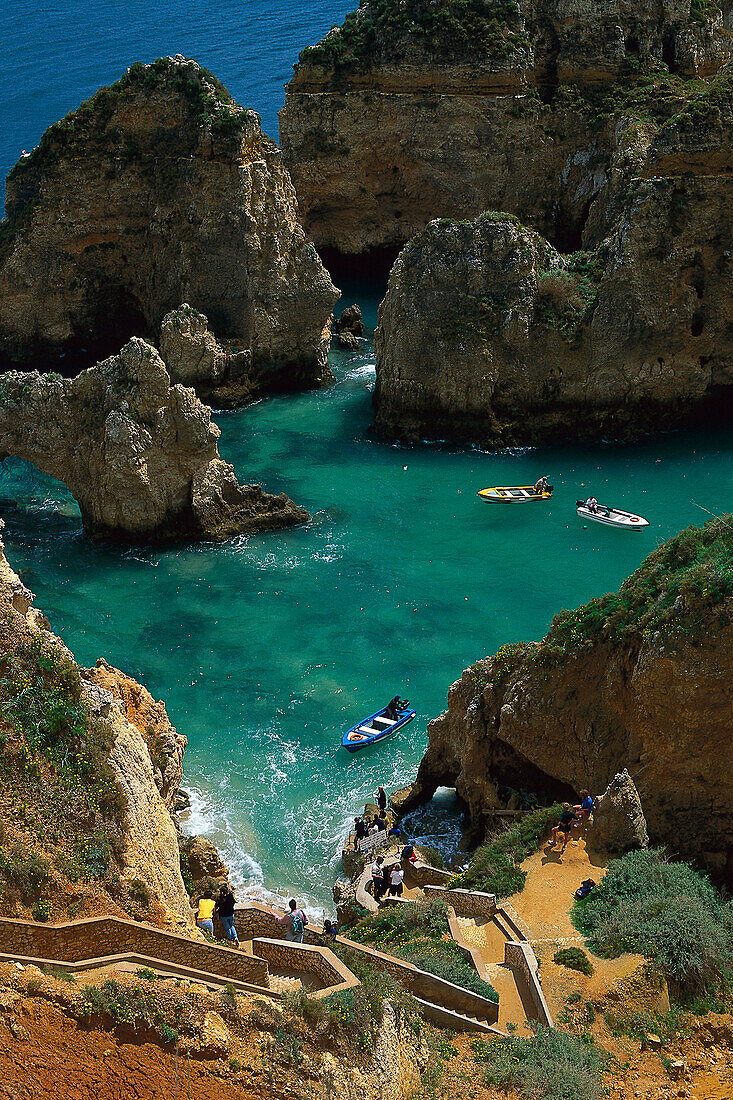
(319, 962)
(521, 957)
(428, 986)
(422, 874)
(100, 936)
(466, 903)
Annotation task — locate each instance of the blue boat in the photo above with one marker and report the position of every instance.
(377, 727)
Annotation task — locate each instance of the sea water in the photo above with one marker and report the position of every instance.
(267, 647)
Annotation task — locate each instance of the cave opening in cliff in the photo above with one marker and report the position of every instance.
(568, 231)
(373, 265)
(669, 51)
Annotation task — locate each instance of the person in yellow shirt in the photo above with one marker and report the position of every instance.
(205, 915)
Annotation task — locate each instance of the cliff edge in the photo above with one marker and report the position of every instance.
(489, 334)
(84, 826)
(637, 679)
(413, 110)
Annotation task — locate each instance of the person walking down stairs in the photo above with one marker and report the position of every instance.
(295, 921)
(225, 911)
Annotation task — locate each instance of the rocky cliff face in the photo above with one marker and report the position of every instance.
(85, 824)
(417, 110)
(638, 679)
(160, 189)
(165, 745)
(488, 334)
(139, 455)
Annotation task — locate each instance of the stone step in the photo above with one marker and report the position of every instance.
(442, 1016)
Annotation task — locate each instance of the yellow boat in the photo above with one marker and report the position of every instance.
(514, 494)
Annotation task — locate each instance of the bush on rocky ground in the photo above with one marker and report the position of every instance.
(574, 958)
(60, 804)
(666, 911)
(552, 1065)
(495, 866)
(419, 933)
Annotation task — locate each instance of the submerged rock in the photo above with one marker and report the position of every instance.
(161, 189)
(140, 456)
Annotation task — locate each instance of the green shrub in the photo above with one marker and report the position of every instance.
(574, 958)
(432, 856)
(42, 911)
(140, 892)
(494, 867)
(147, 974)
(665, 911)
(419, 933)
(551, 1066)
(26, 870)
(61, 975)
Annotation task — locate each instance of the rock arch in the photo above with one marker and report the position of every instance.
(139, 455)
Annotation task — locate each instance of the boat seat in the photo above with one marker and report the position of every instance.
(387, 721)
(368, 729)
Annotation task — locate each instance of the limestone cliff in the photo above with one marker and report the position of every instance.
(139, 455)
(637, 679)
(488, 334)
(84, 828)
(161, 189)
(165, 745)
(414, 110)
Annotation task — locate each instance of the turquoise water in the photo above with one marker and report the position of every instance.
(267, 647)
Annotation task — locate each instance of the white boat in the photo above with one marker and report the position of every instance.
(612, 517)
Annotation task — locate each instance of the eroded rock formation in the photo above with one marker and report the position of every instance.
(140, 456)
(417, 110)
(488, 334)
(147, 845)
(158, 190)
(638, 679)
(165, 745)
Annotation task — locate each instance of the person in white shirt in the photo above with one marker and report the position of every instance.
(378, 884)
(396, 876)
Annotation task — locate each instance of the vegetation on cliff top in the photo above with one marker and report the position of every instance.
(86, 130)
(495, 866)
(678, 592)
(667, 912)
(447, 30)
(60, 805)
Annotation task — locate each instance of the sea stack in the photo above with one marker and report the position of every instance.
(160, 190)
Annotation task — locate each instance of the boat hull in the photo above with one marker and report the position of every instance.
(357, 737)
(614, 517)
(512, 494)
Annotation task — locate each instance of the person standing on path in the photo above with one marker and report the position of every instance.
(378, 883)
(205, 914)
(396, 876)
(381, 800)
(225, 910)
(295, 921)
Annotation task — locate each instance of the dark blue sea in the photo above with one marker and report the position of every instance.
(55, 55)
